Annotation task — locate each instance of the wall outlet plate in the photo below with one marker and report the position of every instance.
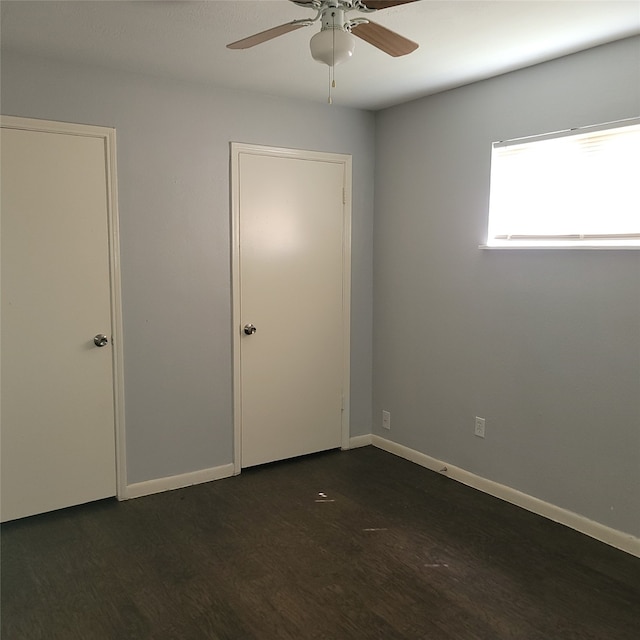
(386, 420)
(479, 427)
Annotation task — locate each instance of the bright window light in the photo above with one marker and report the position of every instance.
(570, 188)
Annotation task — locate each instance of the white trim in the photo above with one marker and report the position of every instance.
(149, 487)
(107, 134)
(117, 345)
(235, 310)
(613, 537)
(346, 161)
(359, 441)
(346, 299)
(53, 126)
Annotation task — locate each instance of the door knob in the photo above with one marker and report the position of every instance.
(100, 340)
(249, 329)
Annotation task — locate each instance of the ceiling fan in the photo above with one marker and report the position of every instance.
(335, 41)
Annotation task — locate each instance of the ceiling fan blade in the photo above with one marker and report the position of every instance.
(269, 34)
(384, 4)
(386, 40)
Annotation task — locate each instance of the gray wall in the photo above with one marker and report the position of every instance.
(173, 177)
(543, 344)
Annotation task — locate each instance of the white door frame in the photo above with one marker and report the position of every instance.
(238, 148)
(108, 135)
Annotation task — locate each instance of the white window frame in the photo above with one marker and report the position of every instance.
(506, 232)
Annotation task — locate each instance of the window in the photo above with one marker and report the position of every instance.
(575, 188)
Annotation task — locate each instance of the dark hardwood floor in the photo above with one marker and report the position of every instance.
(341, 545)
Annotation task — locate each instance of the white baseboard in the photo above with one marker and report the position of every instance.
(169, 483)
(360, 441)
(613, 537)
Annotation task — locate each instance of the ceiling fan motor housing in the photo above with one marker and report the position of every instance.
(333, 18)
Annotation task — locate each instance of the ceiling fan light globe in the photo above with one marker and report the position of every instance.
(332, 46)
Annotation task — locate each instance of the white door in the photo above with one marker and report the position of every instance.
(58, 420)
(291, 282)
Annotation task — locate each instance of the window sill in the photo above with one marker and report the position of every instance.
(561, 247)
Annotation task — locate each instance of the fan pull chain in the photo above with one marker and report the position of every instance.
(332, 82)
(332, 69)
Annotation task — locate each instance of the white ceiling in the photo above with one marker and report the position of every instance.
(460, 42)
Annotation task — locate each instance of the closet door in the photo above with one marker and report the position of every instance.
(58, 418)
(292, 313)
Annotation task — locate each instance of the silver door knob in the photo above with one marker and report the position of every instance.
(249, 329)
(100, 340)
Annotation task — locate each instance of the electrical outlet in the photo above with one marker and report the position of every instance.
(479, 427)
(386, 420)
